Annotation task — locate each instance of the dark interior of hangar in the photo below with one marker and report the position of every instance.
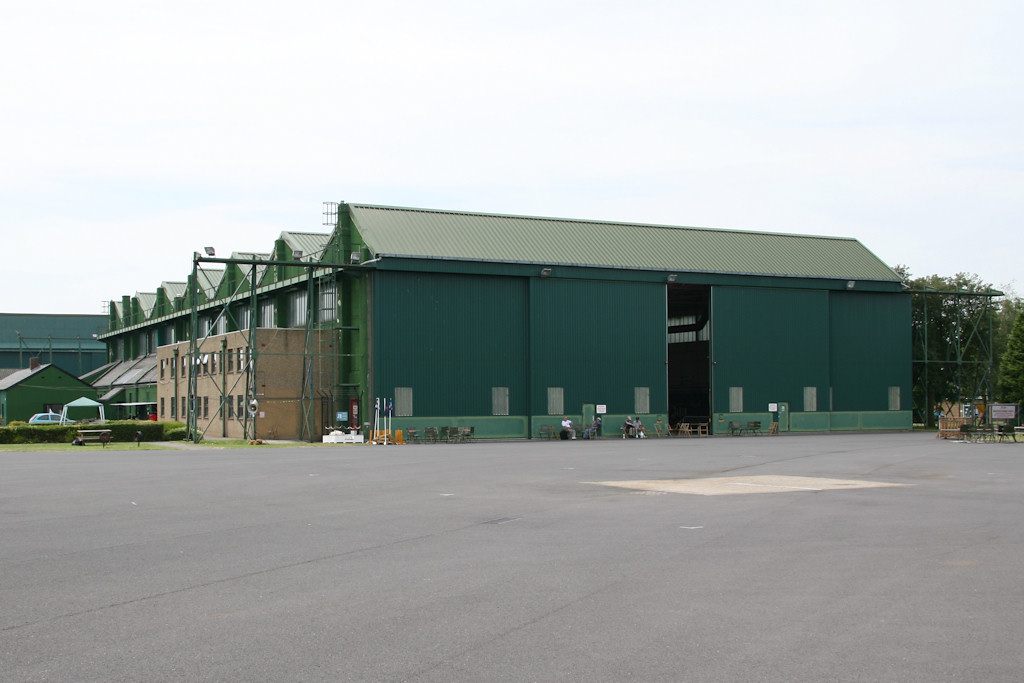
(689, 373)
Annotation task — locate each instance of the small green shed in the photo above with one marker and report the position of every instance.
(38, 389)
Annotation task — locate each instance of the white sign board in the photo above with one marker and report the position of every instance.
(773, 407)
(1004, 411)
(602, 409)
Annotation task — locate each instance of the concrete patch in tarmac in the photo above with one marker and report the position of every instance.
(724, 486)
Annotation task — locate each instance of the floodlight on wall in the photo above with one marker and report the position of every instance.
(354, 257)
(850, 284)
(296, 254)
(210, 251)
(544, 272)
(672, 277)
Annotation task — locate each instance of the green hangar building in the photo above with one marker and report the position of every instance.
(509, 323)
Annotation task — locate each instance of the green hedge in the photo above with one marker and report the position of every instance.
(120, 430)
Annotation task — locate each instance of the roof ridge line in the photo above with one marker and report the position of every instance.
(591, 221)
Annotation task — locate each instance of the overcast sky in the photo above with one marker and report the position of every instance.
(133, 133)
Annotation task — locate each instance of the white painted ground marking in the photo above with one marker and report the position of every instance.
(721, 486)
(691, 527)
(447, 494)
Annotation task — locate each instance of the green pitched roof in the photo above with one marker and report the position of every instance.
(394, 232)
(312, 244)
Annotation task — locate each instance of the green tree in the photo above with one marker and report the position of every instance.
(1007, 313)
(1011, 372)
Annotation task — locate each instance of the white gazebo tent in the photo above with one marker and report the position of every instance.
(82, 403)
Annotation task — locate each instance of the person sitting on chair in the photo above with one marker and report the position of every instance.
(638, 429)
(568, 428)
(628, 429)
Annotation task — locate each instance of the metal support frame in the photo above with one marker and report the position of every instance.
(25, 347)
(968, 334)
(314, 271)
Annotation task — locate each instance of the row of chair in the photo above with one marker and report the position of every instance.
(741, 428)
(988, 432)
(445, 434)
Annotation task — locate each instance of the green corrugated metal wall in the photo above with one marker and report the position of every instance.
(851, 346)
(598, 340)
(771, 342)
(452, 338)
(870, 349)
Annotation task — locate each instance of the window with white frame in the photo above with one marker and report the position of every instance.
(556, 400)
(894, 398)
(328, 301)
(810, 399)
(403, 401)
(642, 400)
(499, 400)
(735, 399)
(266, 318)
(297, 308)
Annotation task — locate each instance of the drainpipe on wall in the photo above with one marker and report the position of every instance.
(177, 369)
(223, 387)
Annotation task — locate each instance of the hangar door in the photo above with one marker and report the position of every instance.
(688, 337)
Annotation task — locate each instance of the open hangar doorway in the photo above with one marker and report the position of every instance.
(689, 371)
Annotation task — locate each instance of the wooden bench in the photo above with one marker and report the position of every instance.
(87, 435)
